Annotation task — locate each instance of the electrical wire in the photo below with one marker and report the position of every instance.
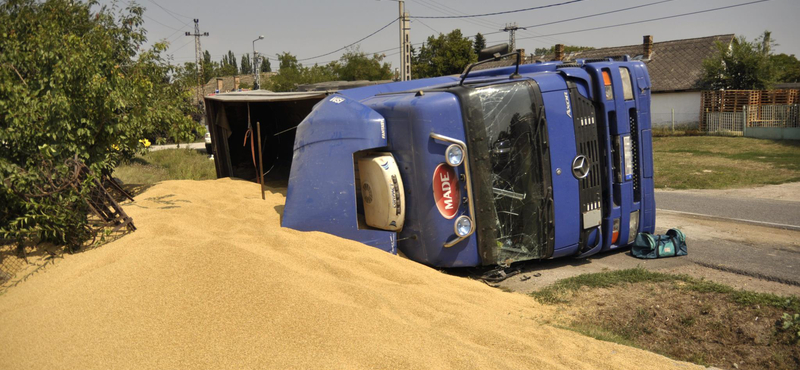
(171, 13)
(349, 45)
(599, 14)
(651, 19)
(431, 28)
(499, 13)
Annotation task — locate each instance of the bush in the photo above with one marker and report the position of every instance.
(74, 83)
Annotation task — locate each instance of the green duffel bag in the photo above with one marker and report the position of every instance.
(658, 246)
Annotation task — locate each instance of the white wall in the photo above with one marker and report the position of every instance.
(686, 105)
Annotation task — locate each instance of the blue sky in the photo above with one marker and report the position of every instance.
(310, 28)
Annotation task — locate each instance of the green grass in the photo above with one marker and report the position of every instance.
(170, 164)
(598, 332)
(560, 291)
(715, 162)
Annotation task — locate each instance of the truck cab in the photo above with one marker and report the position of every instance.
(493, 167)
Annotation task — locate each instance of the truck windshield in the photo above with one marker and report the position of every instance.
(509, 148)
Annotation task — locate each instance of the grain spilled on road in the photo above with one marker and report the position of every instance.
(210, 281)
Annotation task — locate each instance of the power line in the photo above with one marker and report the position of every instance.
(599, 14)
(431, 28)
(499, 13)
(171, 13)
(651, 19)
(349, 45)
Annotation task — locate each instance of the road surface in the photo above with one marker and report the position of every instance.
(742, 241)
(772, 211)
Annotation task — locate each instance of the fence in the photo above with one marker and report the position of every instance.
(763, 121)
(734, 101)
(731, 123)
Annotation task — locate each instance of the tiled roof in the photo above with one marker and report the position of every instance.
(674, 65)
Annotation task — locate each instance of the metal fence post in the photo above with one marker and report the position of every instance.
(744, 125)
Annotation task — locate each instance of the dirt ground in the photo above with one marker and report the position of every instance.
(705, 328)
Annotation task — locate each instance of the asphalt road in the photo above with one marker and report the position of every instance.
(760, 210)
(741, 255)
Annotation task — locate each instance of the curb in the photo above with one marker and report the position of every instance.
(736, 220)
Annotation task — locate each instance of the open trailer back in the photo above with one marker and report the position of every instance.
(497, 166)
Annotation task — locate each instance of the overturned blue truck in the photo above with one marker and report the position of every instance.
(492, 167)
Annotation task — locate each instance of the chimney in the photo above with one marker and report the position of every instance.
(219, 85)
(522, 55)
(647, 47)
(559, 52)
(236, 83)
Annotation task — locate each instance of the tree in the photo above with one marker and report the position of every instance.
(443, 55)
(75, 81)
(480, 43)
(265, 66)
(787, 67)
(228, 65)
(247, 67)
(743, 65)
(567, 49)
(356, 65)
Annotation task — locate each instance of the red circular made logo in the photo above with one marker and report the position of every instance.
(446, 191)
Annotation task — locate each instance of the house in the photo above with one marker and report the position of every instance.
(675, 67)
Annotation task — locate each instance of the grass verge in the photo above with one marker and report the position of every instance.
(169, 164)
(716, 162)
(681, 317)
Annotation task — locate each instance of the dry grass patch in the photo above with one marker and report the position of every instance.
(713, 162)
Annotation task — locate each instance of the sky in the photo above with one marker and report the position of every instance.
(312, 28)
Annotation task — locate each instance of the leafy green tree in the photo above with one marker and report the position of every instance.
(743, 65)
(265, 65)
(480, 43)
(443, 55)
(290, 73)
(787, 67)
(228, 65)
(75, 82)
(247, 66)
(356, 65)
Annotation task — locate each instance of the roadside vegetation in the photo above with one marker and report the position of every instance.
(169, 164)
(681, 317)
(714, 162)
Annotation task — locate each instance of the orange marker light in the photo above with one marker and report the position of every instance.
(608, 90)
(606, 78)
(615, 232)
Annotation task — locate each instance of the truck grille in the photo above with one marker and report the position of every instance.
(587, 144)
(634, 123)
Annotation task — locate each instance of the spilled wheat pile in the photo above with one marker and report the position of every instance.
(210, 281)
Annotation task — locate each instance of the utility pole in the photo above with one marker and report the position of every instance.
(256, 72)
(198, 61)
(405, 44)
(512, 28)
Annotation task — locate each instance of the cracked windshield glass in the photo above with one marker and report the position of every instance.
(516, 144)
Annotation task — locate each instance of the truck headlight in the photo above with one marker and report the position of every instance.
(627, 148)
(454, 155)
(634, 226)
(463, 226)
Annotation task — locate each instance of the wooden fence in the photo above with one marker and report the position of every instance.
(734, 101)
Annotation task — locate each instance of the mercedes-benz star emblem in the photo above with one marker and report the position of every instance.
(580, 167)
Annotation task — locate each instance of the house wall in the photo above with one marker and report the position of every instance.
(686, 105)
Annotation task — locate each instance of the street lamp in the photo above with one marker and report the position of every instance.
(256, 75)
